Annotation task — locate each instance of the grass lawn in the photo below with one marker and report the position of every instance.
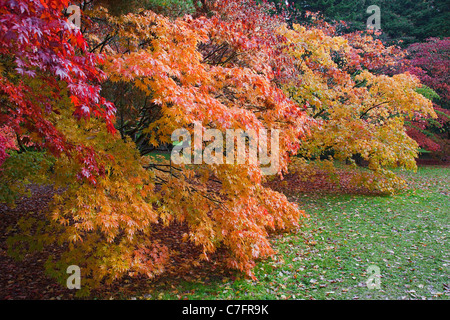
(404, 235)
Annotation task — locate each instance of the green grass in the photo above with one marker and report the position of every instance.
(405, 235)
(158, 155)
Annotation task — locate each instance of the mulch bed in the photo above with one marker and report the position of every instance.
(320, 182)
(26, 279)
(432, 162)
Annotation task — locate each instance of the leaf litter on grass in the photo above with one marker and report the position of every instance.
(404, 235)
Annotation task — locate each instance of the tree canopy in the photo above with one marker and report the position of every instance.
(409, 21)
(85, 109)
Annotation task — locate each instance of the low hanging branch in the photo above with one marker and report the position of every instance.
(371, 108)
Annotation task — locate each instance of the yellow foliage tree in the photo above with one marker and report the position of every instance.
(356, 112)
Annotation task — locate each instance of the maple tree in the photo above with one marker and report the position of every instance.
(106, 224)
(43, 58)
(7, 143)
(432, 134)
(130, 79)
(430, 62)
(358, 112)
(222, 204)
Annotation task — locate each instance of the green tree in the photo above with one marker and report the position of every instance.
(173, 8)
(406, 20)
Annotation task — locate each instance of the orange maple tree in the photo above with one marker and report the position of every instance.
(169, 70)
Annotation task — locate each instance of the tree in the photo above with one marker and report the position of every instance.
(7, 142)
(106, 227)
(430, 62)
(42, 60)
(357, 112)
(407, 21)
(235, 66)
(171, 8)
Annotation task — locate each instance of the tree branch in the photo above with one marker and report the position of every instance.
(373, 107)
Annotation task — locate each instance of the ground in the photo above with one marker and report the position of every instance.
(405, 236)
